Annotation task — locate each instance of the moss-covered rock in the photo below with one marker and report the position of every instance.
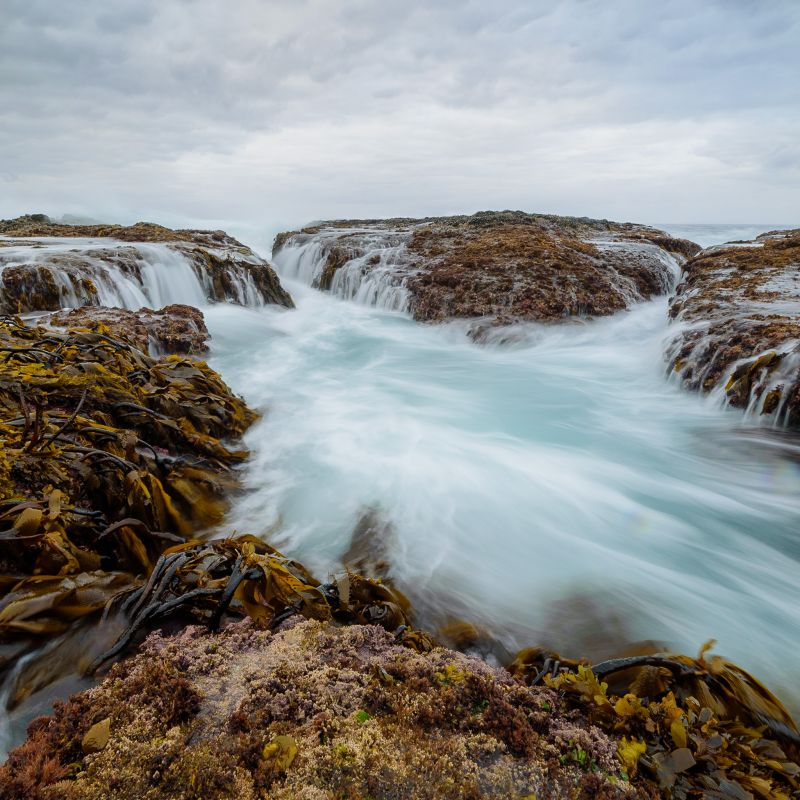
(44, 275)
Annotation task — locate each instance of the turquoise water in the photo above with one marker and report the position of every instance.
(559, 490)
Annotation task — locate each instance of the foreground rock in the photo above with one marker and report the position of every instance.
(311, 712)
(175, 329)
(107, 457)
(501, 266)
(736, 325)
(45, 266)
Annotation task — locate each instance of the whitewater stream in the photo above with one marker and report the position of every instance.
(559, 490)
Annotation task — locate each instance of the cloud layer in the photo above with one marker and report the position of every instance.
(262, 114)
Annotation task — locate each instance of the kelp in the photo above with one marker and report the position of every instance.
(112, 466)
(107, 458)
(245, 576)
(699, 727)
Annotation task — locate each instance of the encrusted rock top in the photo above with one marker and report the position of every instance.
(737, 328)
(504, 266)
(36, 225)
(115, 264)
(175, 329)
(314, 711)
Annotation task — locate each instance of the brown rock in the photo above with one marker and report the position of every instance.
(175, 329)
(50, 278)
(97, 736)
(502, 266)
(737, 327)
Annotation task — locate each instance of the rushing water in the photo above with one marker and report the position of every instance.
(124, 274)
(559, 490)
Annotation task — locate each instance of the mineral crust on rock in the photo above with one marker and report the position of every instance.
(45, 266)
(736, 328)
(500, 266)
(311, 712)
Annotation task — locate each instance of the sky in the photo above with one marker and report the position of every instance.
(258, 115)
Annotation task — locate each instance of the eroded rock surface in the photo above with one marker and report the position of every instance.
(314, 711)
(737, 328)
(46, 266)
(501, 266)
(175, 329)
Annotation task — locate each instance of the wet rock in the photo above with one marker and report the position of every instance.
(97, 736)
(315, 710)
(40, 273)
(175, 329)
(503, 267)
(736, 329)
(108, 456)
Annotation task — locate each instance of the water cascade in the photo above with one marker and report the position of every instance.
(66, 273)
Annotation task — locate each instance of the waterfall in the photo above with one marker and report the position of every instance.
(369, 267)
(373, 265)
(51, 273)
(668, 268)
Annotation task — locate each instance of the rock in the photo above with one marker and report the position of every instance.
(503, 267)
(308, 712)
(108, 456)
(736, 328)
(97, 736)
(175, 329)
(106, 261)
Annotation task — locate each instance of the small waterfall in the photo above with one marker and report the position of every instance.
(667, 275)
(368, 267)
(47, 274)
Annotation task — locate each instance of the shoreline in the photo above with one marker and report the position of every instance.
(139, 568)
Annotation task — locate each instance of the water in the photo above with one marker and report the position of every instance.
(557, 490)
(549, 489)
(128, 275)
(710, 235)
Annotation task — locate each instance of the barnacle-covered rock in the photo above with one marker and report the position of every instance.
(46, 266)
(501, 266)
(313, 711)
(736, 326)
(175, 329)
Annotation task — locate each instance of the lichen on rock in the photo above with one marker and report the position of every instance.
(316, 711)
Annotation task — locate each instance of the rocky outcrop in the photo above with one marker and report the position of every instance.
(107, 457)
(499, 266)
(175, 329)
(736, 329)
(45, 266)
(313, 711)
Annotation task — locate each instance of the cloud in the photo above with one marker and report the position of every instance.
(263, 114)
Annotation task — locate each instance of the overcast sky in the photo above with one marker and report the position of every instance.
(258, 115)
